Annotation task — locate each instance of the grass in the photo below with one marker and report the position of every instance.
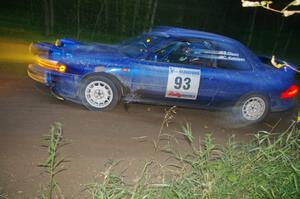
(54, 163)
(2, 194)
(266, 167)
(269, 167)
(168, 116)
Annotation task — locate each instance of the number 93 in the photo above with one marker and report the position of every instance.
(184, 83)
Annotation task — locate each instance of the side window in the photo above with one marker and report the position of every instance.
(231, 58)
(187, 53)
(199, 54)
(203, 53)
(179, 54)
(164, 52)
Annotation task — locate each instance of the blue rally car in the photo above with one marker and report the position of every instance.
(169, 66)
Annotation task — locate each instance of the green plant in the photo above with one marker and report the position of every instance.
(111, 186)
(269, 167)
(53, 164)
(168, 117)
(2, 194)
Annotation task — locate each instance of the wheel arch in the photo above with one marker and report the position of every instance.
(249, 94)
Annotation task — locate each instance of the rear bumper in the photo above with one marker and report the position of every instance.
(278, 104)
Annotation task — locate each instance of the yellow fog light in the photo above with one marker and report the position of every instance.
(62, 68)
(57, 42)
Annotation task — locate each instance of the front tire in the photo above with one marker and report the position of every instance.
(99, 93)
(252, 109)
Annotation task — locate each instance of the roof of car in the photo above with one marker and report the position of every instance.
(187, 33)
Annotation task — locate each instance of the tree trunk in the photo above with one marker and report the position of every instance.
(51, 12)
(46, 12)
(153, 13)
(117, 21)
(253, 19)
(180, 13)
(210, 9)
(278, 35)
(135, 15)
(123, 17)
(31, 13)
(78, 19)
(222, 21)
(287, 43)
(148, 12)
(106, 18)
(97, 19)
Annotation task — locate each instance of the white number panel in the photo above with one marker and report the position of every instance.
(183, 83)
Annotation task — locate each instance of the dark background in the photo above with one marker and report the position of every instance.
(262, 31)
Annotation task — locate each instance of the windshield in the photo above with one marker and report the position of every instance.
(137, 46)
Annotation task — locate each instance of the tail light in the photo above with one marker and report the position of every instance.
(290, 92)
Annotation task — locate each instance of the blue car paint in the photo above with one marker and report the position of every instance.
(146, 81)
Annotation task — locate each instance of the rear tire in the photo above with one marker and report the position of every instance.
(251, 109)
(99, 93)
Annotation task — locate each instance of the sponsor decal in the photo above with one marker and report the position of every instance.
(183, 83)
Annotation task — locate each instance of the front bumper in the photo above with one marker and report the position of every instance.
(37, 73)
(63, 84)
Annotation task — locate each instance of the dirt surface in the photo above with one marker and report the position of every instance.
(28, 110)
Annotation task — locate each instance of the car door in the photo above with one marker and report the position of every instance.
(169, 76)
(234, 74)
